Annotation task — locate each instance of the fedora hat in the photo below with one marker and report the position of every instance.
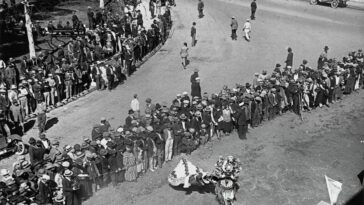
(182, 117)
(68, 173)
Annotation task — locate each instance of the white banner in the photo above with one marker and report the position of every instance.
(334, 189)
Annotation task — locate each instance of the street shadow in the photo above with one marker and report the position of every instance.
(51, 122)
(29, 125)
(207, 189)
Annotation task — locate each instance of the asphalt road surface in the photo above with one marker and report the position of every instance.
(285, 160)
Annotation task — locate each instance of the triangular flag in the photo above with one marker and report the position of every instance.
(334, 188)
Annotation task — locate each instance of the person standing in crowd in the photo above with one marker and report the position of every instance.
(90, 16)
(323, 58)
(41, 117)
(247, 29)
(158, 7)
(193, 34)
(139, 19)
(242, 121)
(253, 7)
(184, 55)
(200, 7)
(168, 138)
(289, 60)
(129, 162)
(234, 27)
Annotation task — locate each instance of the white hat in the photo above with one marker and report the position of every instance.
(241, 104)
(13, 87)
(46, 177)
(185, 93)
(120, 129)
(150, 128)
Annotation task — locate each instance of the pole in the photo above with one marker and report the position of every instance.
(28, 25)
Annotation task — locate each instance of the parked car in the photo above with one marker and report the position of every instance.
(12, 144)
(333, 3)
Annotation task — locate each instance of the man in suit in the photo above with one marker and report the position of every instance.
(272, 102)
(253, 7)
(200, 7)
(193, 34)
(289, 60)
(70, 191)
(234, 27)
(168, 138)
(242, 122)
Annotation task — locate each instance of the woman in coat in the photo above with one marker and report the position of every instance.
(129, 162)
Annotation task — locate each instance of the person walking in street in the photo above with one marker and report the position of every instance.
(184, 55)
(247, 29)
(234, 27)
(200, 7)
(193, 34)
(289, 60)
(253, 7)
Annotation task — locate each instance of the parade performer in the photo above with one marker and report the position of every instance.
(247, 29)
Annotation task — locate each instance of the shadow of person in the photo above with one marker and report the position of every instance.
(29, 125)
(51, 122)
(206, 189)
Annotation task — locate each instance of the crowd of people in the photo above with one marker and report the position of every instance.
(106, 55)
(153, 136)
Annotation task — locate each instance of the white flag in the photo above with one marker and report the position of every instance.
(334, 188)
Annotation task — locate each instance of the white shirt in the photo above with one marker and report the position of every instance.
(247, 26)
(134, 105)
(2, 64)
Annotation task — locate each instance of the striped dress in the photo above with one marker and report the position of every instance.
(129, 162)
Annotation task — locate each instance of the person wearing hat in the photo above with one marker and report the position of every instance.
(184, 55)
(247, 29)
(241, 121)
(200, 7)
(70, 188)
(289, 59)
(149, 107)
(193, 34)
(54, 152)
(234, 27)
(196, 88)
(17, 116)
(10, 74)
(45, 194)
(253, 8)
(272, 103)
(322, 58)
(91, 18)
(134, 105)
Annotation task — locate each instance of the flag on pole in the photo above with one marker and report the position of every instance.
(334, 189)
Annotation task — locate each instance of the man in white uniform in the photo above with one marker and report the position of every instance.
(247, 29)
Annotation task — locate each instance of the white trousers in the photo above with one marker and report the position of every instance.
(168, 149)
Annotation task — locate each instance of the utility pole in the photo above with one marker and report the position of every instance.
(28, 25)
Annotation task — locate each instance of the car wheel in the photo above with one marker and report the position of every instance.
(335, 4)
(313, 2)
(20, 148)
